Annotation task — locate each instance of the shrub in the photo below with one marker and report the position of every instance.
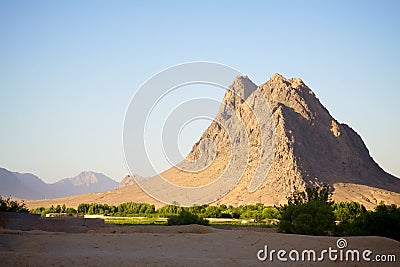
(186, 217)
(384, 221)
(9, 205)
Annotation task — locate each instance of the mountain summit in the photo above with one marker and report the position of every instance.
(289, 141)
(85, 182)
(311, 148)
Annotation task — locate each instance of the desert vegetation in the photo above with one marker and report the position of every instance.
(311, 212)
(186, 217)
(10, 205)
(308, 212)
(257, 212)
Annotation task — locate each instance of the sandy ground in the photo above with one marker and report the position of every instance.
(172, 246)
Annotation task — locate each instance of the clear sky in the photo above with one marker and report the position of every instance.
(68, 69)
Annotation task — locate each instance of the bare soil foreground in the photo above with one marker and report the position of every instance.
(191, 245)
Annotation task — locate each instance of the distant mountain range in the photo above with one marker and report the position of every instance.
(29, 186)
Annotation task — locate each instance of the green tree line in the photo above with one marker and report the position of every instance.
(258, 211)
(311, 212)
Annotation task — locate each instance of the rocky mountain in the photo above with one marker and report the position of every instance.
(311, 148)
(85, 182)
(29, 186)
(14, 184)
(293, 144)
(31, 181)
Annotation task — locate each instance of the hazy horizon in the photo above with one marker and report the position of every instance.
(70, 69)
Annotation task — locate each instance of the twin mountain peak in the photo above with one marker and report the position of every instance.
(311, 148)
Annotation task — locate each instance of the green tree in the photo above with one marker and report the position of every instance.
(169, 210)
(320, 193)
(70, 211)
(185, 217)
(270, 213)
(308, 212)
(212, 212)
(384, 221)
(37, 210)
(348, 212)
(83, 208)
(9, 205)
(58, 209)
(312, 218)
(199, 210)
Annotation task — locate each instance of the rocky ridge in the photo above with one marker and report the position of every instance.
(311, 148)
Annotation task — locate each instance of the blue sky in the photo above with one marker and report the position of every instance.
(68, 69)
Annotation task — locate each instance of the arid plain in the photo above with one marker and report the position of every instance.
(191, 245)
